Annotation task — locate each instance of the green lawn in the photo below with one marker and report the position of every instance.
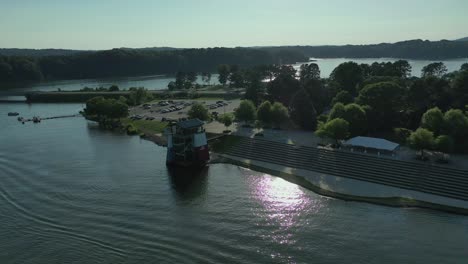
(146, 126)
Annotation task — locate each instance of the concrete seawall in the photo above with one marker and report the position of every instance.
(356, 177)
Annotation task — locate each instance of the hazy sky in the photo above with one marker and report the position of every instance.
(104, 24)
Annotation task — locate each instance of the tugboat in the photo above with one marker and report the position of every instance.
(186, 144)
(13, 113)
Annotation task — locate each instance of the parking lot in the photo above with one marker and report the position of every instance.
(175, 109)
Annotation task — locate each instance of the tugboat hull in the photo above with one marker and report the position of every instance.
(201, 156)
(186, 164)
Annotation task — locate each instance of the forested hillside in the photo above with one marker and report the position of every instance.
(129, 62)
(412, 49)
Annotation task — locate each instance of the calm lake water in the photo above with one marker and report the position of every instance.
(72, 193)
(158, 82)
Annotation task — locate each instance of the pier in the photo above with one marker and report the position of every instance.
(24, 120)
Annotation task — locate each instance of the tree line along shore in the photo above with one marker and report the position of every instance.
(379, 100)
(36, 65)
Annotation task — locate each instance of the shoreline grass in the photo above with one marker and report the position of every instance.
(145, 126)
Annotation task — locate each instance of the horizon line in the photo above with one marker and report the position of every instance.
(231, 47)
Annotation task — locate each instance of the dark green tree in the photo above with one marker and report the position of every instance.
(386, 102)
(206, 77)
(354, 114)
(139, 96)
(114, 88)
(171, 86)
(93, 106)
(338, 111)
(287, 70)
(433, 120)
(246, 111)
(236, 77)
(279, 114)
(318, 94)
(123, 99)
(421, 139)
(460, 89)
(402, 134)
(116, 109)
(348, 76)
(181, 79)
(357, 119)
(337, 129)
(343, 97)
(309, 71)
(191, 79)
(226, 119)
(199, 111)
(437, 69)
(283, 88)
(255, 89)
(264, 113)
(456, 125)
(6, 71)
(402, 69)
(302, 111)
(223, 71)
(444, 144)
(107, 108)
(464, 67)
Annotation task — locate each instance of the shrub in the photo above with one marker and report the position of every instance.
(131, 130)
(433, 120)
(421, 139)
(444, 143)
(343, 97)
(199, 111)
(246, 111)
(279, 113)
(337, 129)
(264, 113)
(401, 134)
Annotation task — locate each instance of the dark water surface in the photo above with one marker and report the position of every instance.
(71, 193)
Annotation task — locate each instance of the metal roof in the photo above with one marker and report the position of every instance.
(375, 143)
(192, 123)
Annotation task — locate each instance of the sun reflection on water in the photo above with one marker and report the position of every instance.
(284, 205)
(280, 195)
(283, 201)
